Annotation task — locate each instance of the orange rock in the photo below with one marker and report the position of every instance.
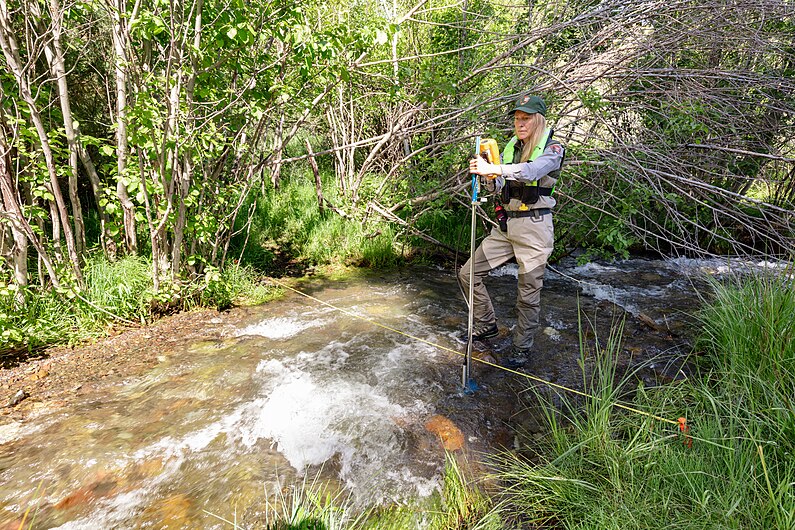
(172, 513)
(149, 468)
(76, 498)
(451, 436)
(103, 485)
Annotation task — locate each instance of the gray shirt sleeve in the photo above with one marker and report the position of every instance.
(548, 162)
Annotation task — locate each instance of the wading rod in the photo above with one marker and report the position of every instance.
(466, 381)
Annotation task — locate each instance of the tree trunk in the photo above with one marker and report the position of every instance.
(122, 149)
(181, 221)
(20, 228)
(55, 60)
(14, 248)
(154, 231)
(316, 173)
(183, 163)
(278, 149)
(11, 52)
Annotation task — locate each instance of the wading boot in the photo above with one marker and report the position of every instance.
(517, 358)
(480, 332)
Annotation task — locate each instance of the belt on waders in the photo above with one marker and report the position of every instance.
(537, 212)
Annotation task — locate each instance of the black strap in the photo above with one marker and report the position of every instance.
(516, 190)
(537, 212)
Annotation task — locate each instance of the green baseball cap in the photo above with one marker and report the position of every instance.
(531, 105)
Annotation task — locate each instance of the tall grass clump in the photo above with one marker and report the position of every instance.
(42, 320)
(604, 466)
(287, 224)
(118, 287)
(113, 292)
(235, 284)
(462, 503)
(312, 505)
(749, 335)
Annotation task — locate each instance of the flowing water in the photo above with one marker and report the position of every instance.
(297, 391)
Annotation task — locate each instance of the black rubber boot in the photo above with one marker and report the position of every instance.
(481, 332)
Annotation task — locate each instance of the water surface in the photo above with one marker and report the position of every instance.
(295, 390)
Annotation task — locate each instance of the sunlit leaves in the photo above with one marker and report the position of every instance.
(381, 37)
(148, 25)
(43, 192)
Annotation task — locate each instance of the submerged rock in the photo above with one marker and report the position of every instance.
(451, 436)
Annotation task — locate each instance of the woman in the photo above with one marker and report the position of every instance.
(531, 163)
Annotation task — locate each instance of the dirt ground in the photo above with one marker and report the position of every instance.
(57, 375)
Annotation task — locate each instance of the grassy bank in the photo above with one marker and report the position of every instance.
(288, 225)
(601, 467)
(287, 229)
(117, 294)
(283, 233)
(288, 234)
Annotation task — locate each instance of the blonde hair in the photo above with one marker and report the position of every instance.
(537, 124)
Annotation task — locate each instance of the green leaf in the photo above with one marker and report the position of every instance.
(381, 37)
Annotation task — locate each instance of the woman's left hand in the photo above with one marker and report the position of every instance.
(479, 166)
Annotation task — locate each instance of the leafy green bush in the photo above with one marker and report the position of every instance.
(40, 321)
(235, 284)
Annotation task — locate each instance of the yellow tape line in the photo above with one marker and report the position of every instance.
(482, 361)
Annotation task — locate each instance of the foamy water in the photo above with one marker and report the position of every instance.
(279, 327)
(298, 390)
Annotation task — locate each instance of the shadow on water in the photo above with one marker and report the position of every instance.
(296, 389)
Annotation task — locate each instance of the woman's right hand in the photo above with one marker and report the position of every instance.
(479, 166)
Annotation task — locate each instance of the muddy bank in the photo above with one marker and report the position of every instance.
(56, 375)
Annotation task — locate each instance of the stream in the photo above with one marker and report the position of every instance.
(296, 391)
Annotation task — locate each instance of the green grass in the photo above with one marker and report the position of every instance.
(116, 293)
(117, 287)
(604, 468)
(749, 332)
(311, 505)
(289, 223)
(287, 231)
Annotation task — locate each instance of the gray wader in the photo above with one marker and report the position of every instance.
(530, 240)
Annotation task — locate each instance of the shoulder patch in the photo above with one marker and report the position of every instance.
(556, 148)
